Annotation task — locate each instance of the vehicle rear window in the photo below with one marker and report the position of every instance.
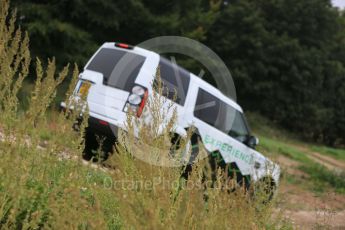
(175, 81)
(220, 115)
(119, 68)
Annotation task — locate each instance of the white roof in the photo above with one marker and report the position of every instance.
(203, 84)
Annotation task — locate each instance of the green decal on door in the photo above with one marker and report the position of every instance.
(229, 149)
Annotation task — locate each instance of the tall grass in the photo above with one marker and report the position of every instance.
(45, 184)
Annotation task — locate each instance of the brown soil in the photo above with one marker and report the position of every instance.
(309, 211)
(306, 209)
(290, 166)
(327, 161)
(317, 219)
(332, 164)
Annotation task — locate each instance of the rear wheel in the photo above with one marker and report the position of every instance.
(191, 147)
(97, 147)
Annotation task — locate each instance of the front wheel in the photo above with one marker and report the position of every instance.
(264, 190)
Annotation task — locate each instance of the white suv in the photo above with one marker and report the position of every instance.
(119, 76)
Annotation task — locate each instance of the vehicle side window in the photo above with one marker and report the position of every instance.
(175, 81)
(239, 129)
(207, 108)
(220, 115)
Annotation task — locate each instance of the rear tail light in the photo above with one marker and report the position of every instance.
(142, 104)
(103, 122)
(137, 100)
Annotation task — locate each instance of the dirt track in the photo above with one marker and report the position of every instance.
(305, 209)
(327, 161)
(318, 219)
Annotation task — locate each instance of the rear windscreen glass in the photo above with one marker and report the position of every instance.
(119, 68)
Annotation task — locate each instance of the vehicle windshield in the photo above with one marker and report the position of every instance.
(119, 68)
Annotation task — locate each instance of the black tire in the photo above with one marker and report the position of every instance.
(175, 146)
(264, 190)
(231, 171)
(92, 145)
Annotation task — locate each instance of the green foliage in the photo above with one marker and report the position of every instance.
(45, 90)
(287, 60)
(324, 178)
(45, 184)
(333, 152)
(317, 177)
(320, 177)
(14, 60)
(72, 30)
(287, 56)
(52, 34)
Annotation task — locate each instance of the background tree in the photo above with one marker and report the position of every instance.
(71, 30)
(287, 56)
(284, 56)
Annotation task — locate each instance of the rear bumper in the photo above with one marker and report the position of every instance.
(102, 127)
(98, 124)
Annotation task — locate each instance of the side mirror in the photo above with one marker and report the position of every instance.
(252, 142)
